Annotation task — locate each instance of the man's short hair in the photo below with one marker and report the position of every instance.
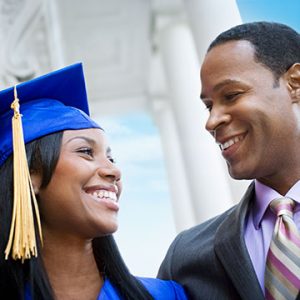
(277, 46)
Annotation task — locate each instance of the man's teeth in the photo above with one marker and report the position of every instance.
(230, 142)
(105, 194)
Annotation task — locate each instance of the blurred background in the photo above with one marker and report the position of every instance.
(141, 61)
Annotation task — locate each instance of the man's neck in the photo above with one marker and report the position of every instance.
(280, 186)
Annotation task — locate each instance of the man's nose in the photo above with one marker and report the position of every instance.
(217, 118)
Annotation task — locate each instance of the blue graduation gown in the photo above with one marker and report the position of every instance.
(159, 289)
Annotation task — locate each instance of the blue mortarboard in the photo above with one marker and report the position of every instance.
(50, 103)
(54, 102)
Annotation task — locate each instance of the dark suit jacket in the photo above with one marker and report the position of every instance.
(211, 260)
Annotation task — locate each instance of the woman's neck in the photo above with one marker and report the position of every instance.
(71, 267)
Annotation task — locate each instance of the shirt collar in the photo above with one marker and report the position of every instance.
(264, 195)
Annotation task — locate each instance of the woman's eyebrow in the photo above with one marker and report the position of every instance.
(89, 140)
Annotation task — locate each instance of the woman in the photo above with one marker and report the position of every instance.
(75, 184)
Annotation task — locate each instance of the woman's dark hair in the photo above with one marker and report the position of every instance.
(276, 45)
(42, 155)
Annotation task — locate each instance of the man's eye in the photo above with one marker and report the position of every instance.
(208, 107)
(87, 151)
(232, 96)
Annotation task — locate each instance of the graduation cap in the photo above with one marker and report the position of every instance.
(54, 102)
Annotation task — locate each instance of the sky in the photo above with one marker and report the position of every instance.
(146, 225)
(282, 11)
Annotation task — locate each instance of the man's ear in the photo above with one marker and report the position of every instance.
(36, 180)
(293, 80)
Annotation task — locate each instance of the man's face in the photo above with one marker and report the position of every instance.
(251, 115)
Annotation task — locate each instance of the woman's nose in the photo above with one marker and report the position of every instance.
(110, 170)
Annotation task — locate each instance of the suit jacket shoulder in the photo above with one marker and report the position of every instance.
(209, 258)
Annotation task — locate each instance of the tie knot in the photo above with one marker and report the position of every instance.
(283, 206)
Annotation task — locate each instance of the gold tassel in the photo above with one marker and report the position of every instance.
(22, 238)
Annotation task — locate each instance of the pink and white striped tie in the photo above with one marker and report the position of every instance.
(282, 274)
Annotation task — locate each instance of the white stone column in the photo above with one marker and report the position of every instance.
(183, 209)
(55, 41)
(203, 166)
(208, 18)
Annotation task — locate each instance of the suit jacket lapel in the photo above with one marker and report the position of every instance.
(231, 249)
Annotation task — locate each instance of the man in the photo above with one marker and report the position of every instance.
(251, 87)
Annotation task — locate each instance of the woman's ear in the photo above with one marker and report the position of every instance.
(36, 180)
(293, 79)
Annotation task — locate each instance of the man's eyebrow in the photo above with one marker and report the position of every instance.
(220, 85)
(89, 140)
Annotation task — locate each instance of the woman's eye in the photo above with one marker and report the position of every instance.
(87, 151)
(112, 160)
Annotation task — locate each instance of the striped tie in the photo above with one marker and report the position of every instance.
(282, 274)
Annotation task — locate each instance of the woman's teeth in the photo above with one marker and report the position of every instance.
(100, 194)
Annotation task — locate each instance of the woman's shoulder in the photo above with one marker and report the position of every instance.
(163, 289)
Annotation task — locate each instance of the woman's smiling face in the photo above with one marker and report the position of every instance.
(82, 196)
